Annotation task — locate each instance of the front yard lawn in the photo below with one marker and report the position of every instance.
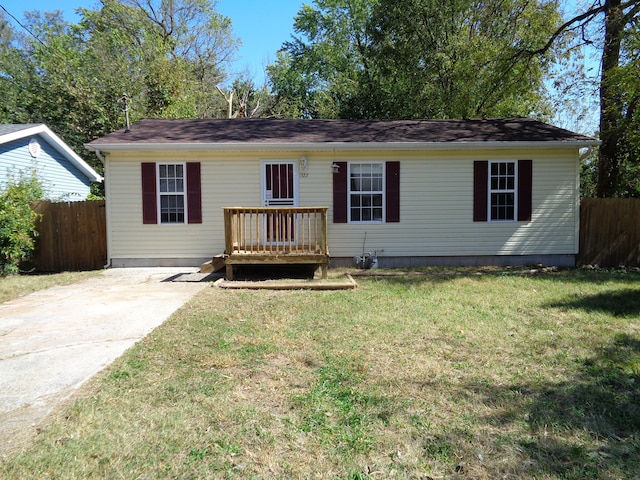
(429, 375)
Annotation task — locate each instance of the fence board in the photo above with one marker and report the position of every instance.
(72, 236)
(609, 232)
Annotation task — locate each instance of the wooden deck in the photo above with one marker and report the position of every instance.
(275, 236)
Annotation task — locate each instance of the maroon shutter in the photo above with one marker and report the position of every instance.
(480, 190)
(149, 195)
(393, 191)
(340, 191)
(194, 193)
(525, 183)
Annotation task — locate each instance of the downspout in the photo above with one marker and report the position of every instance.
(100, 156)
(582, 157)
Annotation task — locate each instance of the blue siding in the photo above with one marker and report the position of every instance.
(60, 179)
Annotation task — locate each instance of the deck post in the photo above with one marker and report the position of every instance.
(228, 231)
(229, 273)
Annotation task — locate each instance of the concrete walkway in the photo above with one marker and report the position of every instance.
(53, 341)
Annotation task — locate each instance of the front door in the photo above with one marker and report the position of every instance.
(280, 189)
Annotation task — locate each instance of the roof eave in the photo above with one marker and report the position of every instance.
(330, 146)
(59, 145)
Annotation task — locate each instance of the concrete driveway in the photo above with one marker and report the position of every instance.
(53, 341)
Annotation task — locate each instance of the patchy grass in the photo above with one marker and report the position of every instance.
(438, 375)
(14, 286)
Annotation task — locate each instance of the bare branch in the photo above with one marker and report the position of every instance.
(586, 16)
(229, 99)
(633, 12)
(253, 112)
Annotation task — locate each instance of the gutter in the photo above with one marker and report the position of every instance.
(330, 146)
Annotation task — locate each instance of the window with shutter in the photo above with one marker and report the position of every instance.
(502, 190)
(366, 192)
(171, 193)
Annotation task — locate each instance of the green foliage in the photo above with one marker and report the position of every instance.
(415, 59)
(588, 175)
(17, 222)
(167, 56)
(619, 94)
(294, 94)
(460, 59)
(317, 71)
(626, 82)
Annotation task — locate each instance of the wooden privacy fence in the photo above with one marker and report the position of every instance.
(72, 236)
(609, 232)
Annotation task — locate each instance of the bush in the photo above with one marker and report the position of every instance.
(17, 222)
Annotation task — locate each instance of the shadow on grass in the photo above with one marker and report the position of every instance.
(619, 303)
(601, 401)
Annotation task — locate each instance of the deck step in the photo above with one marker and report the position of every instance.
(214, 265)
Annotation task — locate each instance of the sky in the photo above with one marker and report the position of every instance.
(262, 26)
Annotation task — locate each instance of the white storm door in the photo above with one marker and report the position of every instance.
(279, 184)
(280, 189)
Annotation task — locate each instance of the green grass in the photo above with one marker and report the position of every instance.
(449, 374)
(14, 286)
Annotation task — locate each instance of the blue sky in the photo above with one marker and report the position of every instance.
(262, 26)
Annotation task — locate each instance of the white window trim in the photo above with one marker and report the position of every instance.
(383, 191)
(159, 193)
(515, 191)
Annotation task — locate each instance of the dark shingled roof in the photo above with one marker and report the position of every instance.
(287, 131)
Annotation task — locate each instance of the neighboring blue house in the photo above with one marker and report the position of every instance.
(34, 148)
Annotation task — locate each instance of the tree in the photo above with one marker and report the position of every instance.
(174, 52)
(9, 108)
(320, 69)
(454, 59)
(245, 100)
(295, 94)
(166, 55)
(618, 162)
(416, 59)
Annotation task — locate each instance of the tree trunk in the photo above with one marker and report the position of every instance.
(610, 108)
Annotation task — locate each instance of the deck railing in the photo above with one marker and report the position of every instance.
(275, 230)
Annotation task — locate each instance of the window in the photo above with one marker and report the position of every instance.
(175, 189)
(345, 186)
(502, 191)
(502, 188)
(171, 183)
(366, 192)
